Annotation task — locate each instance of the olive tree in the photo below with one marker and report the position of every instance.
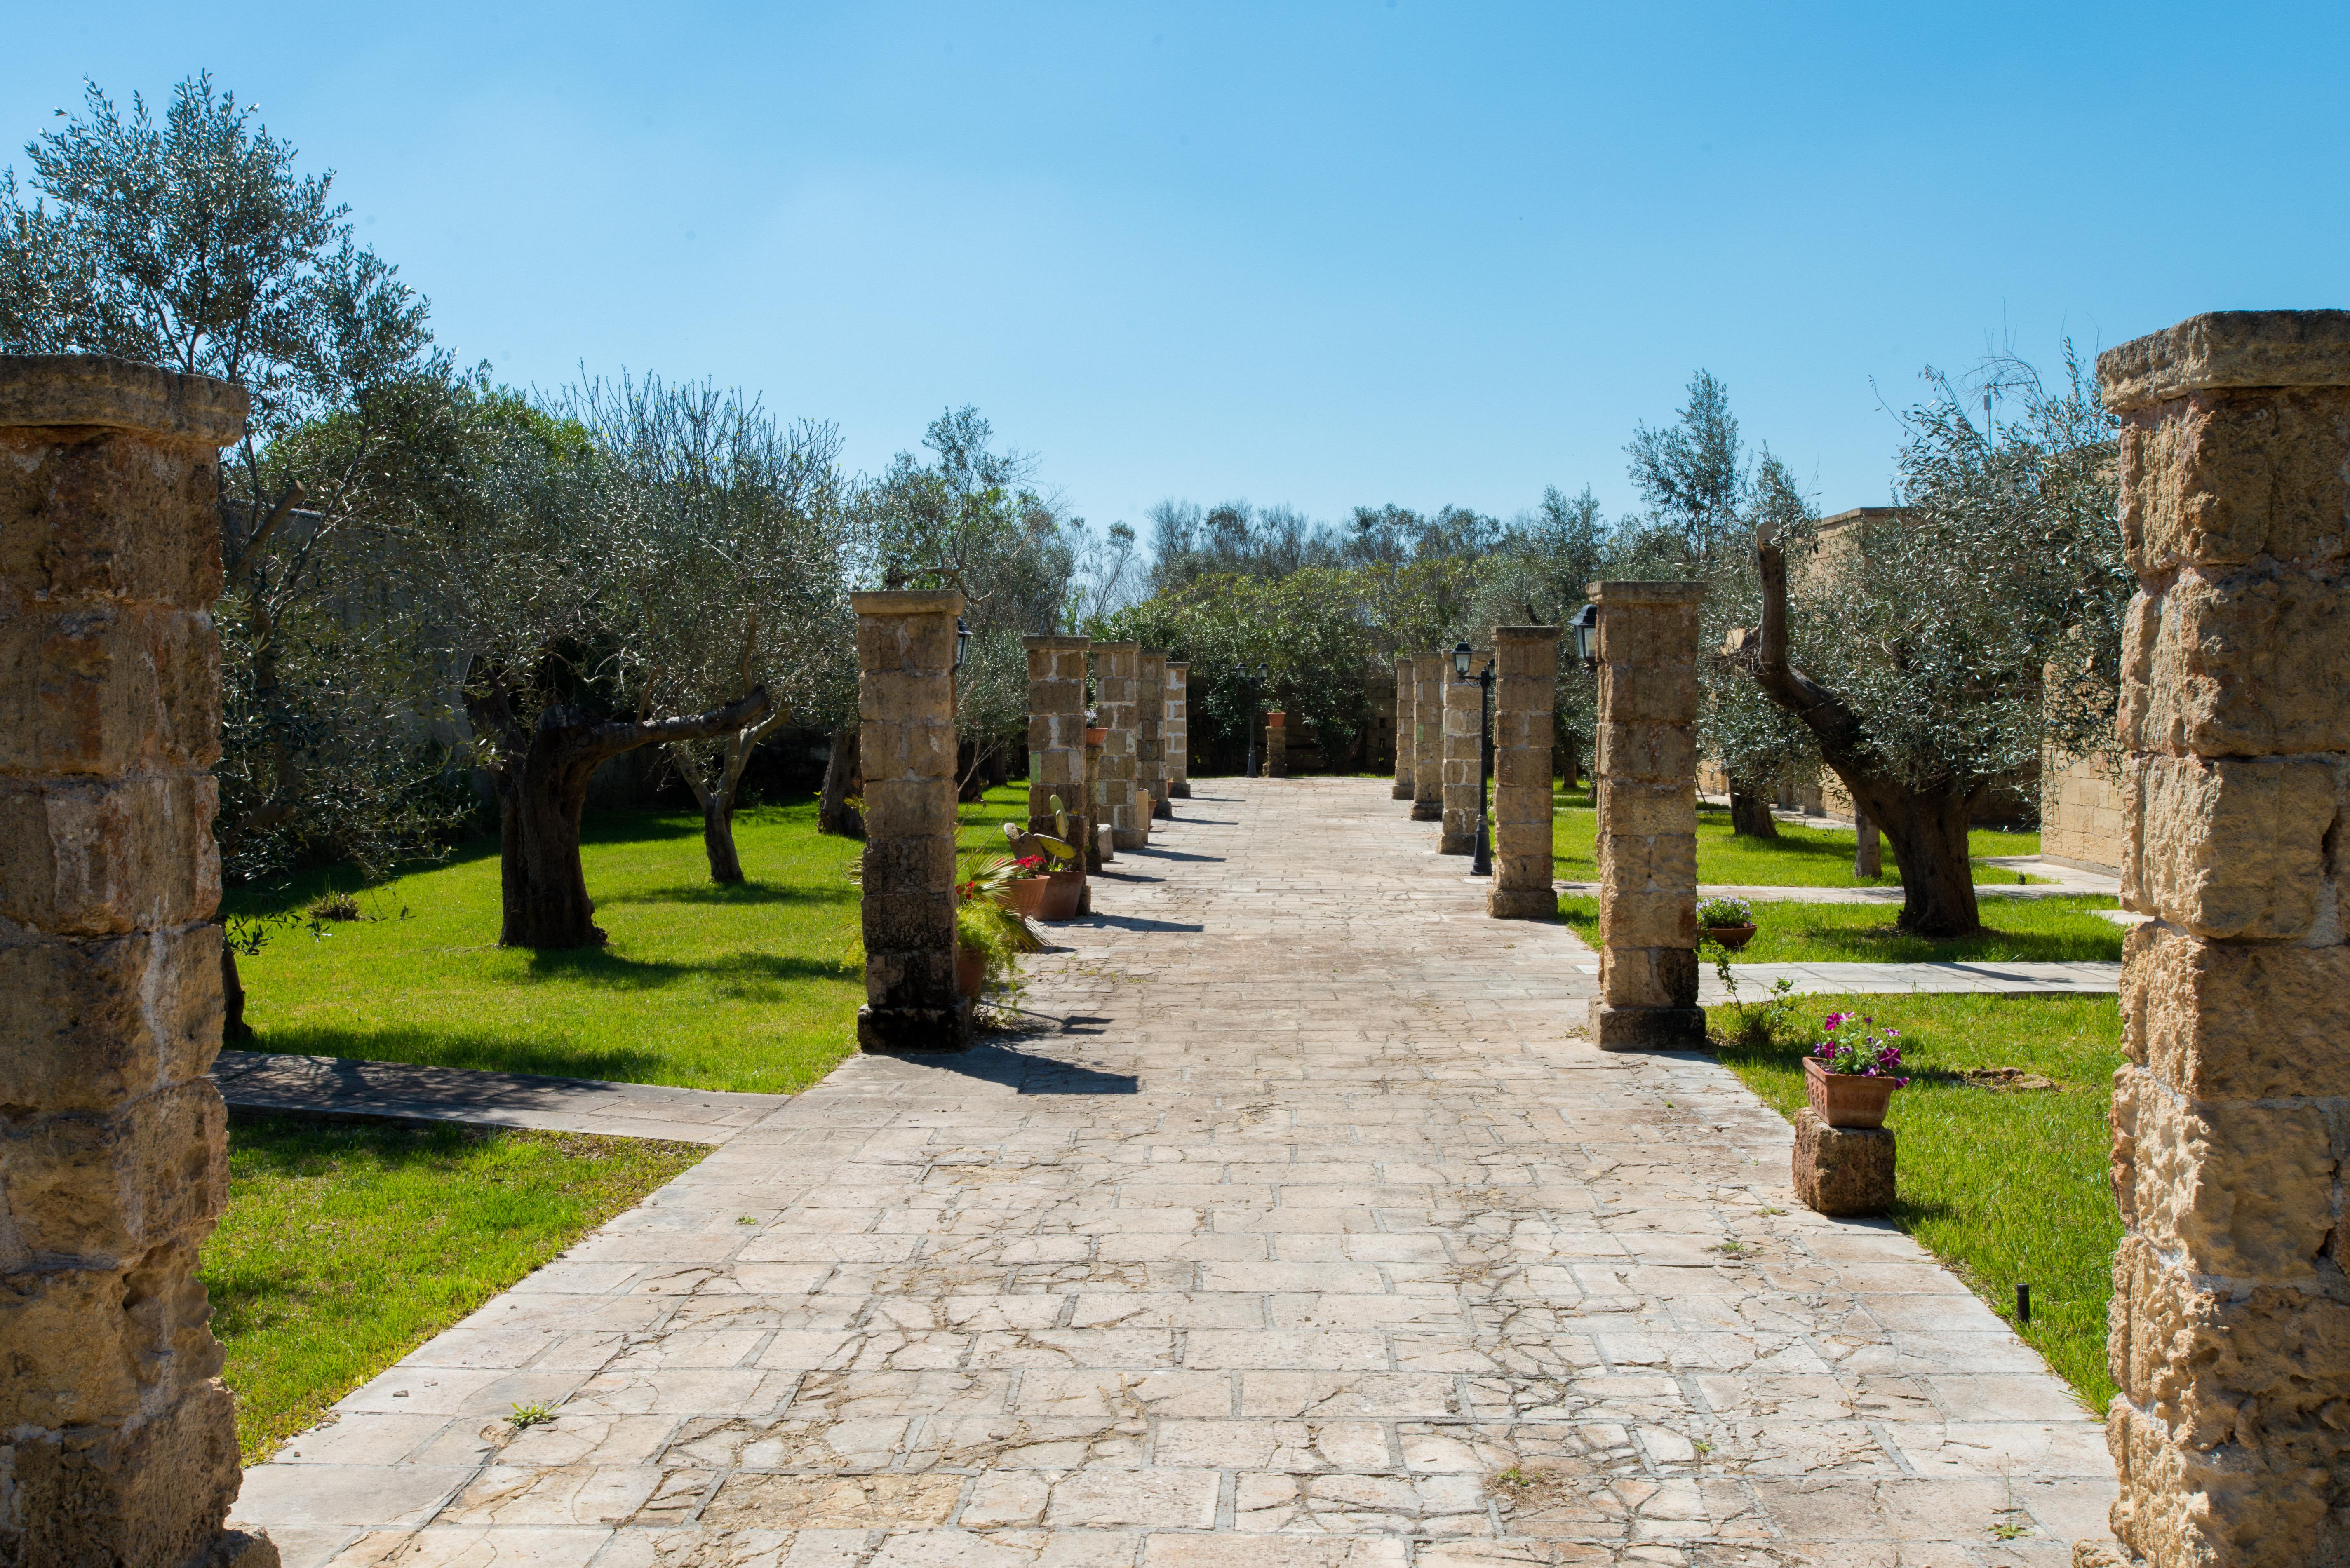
(1921, 673)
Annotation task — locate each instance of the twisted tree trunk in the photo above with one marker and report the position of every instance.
(1928, 827)
(717, 799)
(834, 815)
(541, 777)
(1749, 813)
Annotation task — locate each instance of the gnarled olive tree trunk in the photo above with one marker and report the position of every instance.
(541, 775)
(716, 796)
(1749, 813)
(1928, 827)
(834, 815)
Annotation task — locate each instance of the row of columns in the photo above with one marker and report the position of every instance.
(1438, 763)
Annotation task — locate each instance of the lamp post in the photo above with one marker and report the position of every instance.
(1482, 864)
(963, 641)
(1586, 636)
(1250, 680)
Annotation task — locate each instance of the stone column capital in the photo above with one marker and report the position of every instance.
(1044, 642)
(60, 390)
(907, 602)
(2225, 349)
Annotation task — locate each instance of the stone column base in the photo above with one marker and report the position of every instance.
(243, 1549)
(1127, 838)
(1105, 843)
(1164, 811)
(1615, 1028)
(1451, 842)
(1523, 903)
(1427, 811)
(2103, 1554)
(913, 1028)
(1846, 1171)
(1402, 791)
(1180, 789)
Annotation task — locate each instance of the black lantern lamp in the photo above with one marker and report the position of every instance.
(1586, 637)
(963, 641)
(1461, 651)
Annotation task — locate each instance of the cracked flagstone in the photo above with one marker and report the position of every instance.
(1304, 1230)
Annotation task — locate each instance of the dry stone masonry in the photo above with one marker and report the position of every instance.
(1429, 672)
(1115, 665)
(118, 1444)
(1525, 689)
(1151, 731)
(1178, 733)
(2231, 1317)
(1276, 744)
(1463, 739)
(1646, 776)
(906, 703)
(1056, 735)
(1406, 690)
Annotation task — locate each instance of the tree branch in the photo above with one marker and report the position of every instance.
(1822, 712)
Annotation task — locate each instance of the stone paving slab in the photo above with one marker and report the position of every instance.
(1304, 1231)
(337, 1086)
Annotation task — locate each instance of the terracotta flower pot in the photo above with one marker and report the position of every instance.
(1846, 1099)
(1732, 937)
(1098, 737)
(970, 969)
(1027, 896)
(1063, 892)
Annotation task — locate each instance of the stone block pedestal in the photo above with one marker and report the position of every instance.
(906, 703)
(1276, 745)
(1463, 724)
(1843, 1171)
(1114, 698)
(1525, 686)
(1429, 672)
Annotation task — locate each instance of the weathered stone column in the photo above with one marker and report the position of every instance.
(1114, 705)
(1406, 689)
(1178, 734)
(1525, 688)
(1646, 778)
(2230, 1336)
(1151, 730)
(120, 1442)
(1056, 738)
(1429, 672)
(1464, 723)
(1276, 744)
(1097, 850)
(906, 699)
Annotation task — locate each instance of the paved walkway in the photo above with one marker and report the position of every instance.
(337, 1085)
(1308, 1234)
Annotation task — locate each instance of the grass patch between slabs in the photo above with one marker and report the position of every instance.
(1801, 856)
(2014, 930)
(346, 1245)
(2005, 1186)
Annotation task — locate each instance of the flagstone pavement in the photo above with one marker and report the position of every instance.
(1303, 1231)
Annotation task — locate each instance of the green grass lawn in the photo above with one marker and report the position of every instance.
(1801, 856)
(345, 1246)
(2014, 930)
(749, 988)
(2006, 1188)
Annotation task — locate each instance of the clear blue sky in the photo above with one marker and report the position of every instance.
(1378, 251)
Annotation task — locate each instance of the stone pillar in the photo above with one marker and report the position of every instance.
(1151, 731)
(121, 1440)
(906, 699)
(1646, 778)
(1525, 688)
(1097, 850)
(2229, 1336)
(1429, 672)
(1405, 741)
(1463, 735)
(1276, 744)
(1056, 739)
(1114, 705)
(1178, 734)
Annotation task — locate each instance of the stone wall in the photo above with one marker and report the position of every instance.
(118, 1444)
(2084, 818)
(2230, 1318)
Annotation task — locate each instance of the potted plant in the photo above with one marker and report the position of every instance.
(1851, 1073)
(1044, 882)
(1728, 922)
(1097, 732)
(989, 928)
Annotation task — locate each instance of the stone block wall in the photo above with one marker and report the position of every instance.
(119, 1442)
(2230, 1333)
(1465, 731)
(1525, 688)
(1276, 744)
(1429, 672)
(905, 708)
(2083, 819)
(1647, 778)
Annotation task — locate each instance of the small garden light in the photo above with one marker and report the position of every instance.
(1586, 636)
(963, 641)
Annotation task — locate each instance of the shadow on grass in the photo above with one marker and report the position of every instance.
(724, 895)
(734, 974)
(548, 1057)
